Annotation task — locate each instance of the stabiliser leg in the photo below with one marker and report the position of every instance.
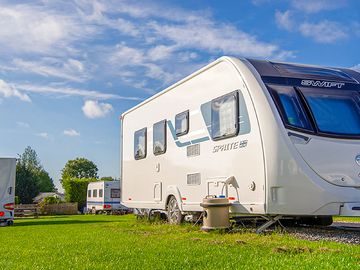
(270, 221)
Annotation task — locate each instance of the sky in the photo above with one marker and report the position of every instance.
(68, 69)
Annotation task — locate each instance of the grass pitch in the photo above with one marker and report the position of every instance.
(122, 242)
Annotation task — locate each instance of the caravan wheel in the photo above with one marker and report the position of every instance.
(174, 215)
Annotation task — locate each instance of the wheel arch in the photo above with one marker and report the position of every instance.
(173, 191)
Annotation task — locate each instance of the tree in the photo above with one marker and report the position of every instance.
(107, 178)
(75, 177)
(31, 177)
(79, 168)
(26, 186)
(30, 159)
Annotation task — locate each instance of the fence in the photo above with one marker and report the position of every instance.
(23, 210)
(59, 209)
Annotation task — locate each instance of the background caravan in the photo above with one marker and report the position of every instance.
(7, 190)
(104, 197)
(278, 139)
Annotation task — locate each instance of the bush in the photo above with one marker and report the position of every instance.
(75, 190)
(51, 200)
(17, 200)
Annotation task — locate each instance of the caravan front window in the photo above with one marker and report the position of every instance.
(89, 193)
(290, 107)
(224, 116)
(100, 193)
(95, 193)
(335, 112)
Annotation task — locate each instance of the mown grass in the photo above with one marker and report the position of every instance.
(122, 242)
(347, 219)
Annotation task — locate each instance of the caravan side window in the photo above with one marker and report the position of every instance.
(140, 143)
(182, 123)
(100, 193)
(95, 193)
(159, 138)
(89, 193)
(224, 116)
(115, 193)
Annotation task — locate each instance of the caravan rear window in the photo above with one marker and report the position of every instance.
(101, 193)
(89, 193)
(140, 144)
(95, 193)
(224, 116)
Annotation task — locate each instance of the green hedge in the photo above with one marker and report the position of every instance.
(75, 190)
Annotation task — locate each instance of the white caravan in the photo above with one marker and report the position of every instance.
(103, 196)
(278, 139)
(7, 190)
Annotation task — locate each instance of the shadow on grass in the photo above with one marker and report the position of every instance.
(40, 221)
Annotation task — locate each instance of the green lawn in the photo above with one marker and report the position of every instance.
(121, 242)
(347, 219)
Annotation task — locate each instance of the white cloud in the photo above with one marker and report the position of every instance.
(34, 28)
(284, 20)
(69, 91)
(214, 37)
(323, 32)
(8, 90)
(70, 69)
(160, 52)
(22, 124)
(71, 132)
(311, 6)
(43, 135)
(94, 109)
(357, 67)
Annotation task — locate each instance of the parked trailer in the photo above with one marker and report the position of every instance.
(277, 139)
(103, 196)
(7, 190)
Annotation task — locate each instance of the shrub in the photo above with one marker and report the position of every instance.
(75, 190)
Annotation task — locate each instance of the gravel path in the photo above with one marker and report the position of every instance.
(342, 232)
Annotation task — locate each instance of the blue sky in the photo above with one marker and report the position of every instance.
(68, 69)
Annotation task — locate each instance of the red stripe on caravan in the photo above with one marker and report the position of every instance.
(184, 199)
(232, 198)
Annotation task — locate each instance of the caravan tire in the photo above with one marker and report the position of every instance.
(174, 215)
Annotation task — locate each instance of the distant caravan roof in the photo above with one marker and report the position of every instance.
(269, 69)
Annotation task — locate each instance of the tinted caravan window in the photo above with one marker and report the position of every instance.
(95, 193)
(335, 112)
(224, 116)
(159, 137)
(89, 193)
(140, 144)
(290, 107)
(182, 123)
(115, 193)
(100, 193)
